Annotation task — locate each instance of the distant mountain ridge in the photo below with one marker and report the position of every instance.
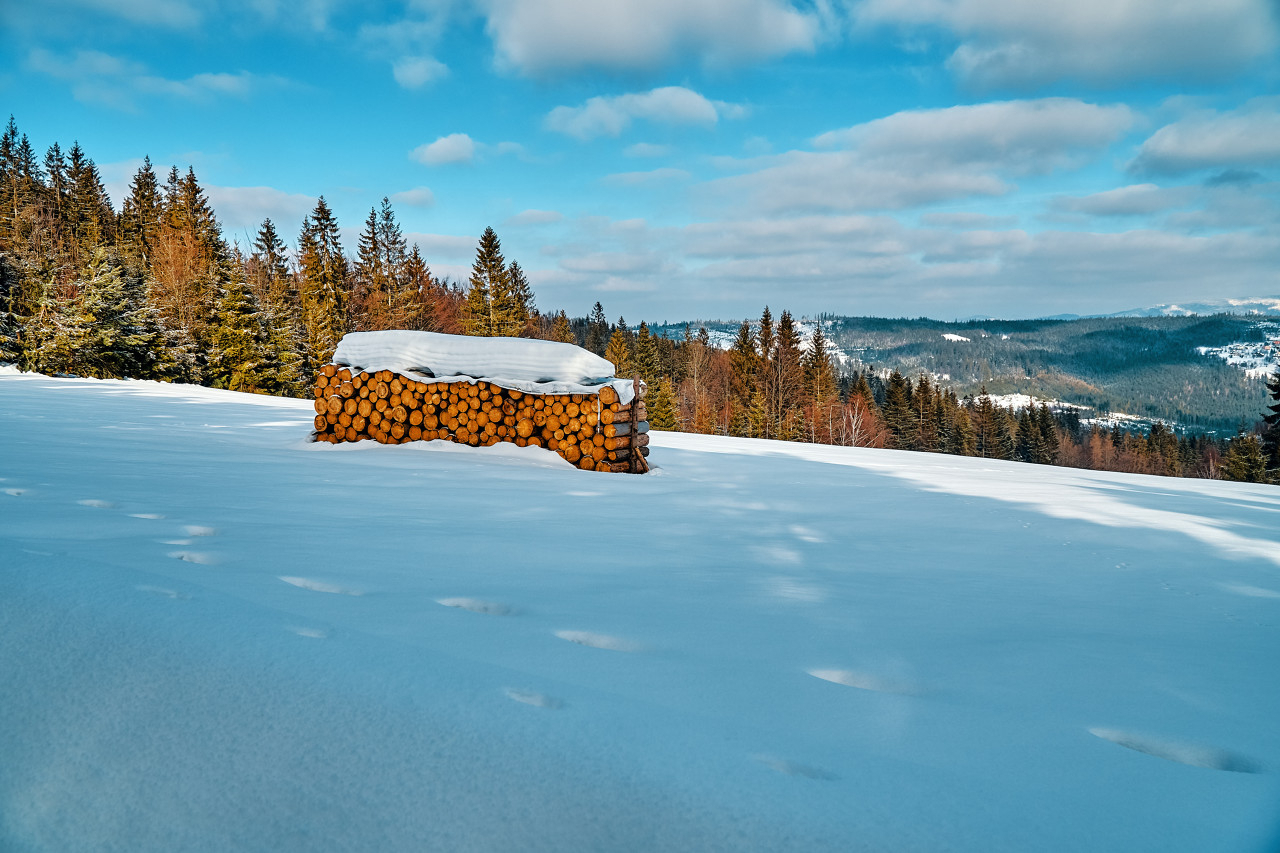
(1263, 306)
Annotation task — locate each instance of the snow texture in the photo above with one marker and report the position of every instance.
(761, 646)
(540, 367)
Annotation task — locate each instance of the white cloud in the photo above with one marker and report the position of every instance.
(968, 221)
(1136, 200)
(646, 149)
(534, 217)
(1022, 44)
(100, 78)
(1249, 136)
(549, 36)
(242, 209)
(416, 197)
(926, 156)
(610, 116)
(454, 148)
(654, 176)
(414, 72)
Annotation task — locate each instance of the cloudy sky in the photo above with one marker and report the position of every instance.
(680, 159)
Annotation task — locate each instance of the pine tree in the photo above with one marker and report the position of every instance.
(597, 330)
(275, 289)
(100, 326)
(92, 217)
(619, 352)
(520, 300)
(242, 359)
(897, 410)
(744, 361)
(646, 357)
(1028, 436)
(1244, 461)
(765, 336)
(1045, 449)
(561, 330)
(140, 219)
(819, 373)
(662, 406)
(323, 286)
(489, 290)
(1271, 431)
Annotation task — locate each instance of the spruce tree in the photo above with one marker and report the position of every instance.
(597, 330)
(765, 335)
(323, 285)
(520, 300)
(819, 373)
(140, 218)
(1271, 430)
(897, 411)
(619, 352)
(561, 330)
(646, 354)
(744, 362)
(92, 217)
(242, 358)
(1244, 461)
(489, 291)
(662, 406)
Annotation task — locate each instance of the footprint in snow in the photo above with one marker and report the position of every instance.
(150, 516)
(537, 700)
(17, 493)
(865, 681)
(202, 558)
(175, 541)
(162, 592)
(598, 641)
(320, 586)
(310, 633)
(475, 605)
(1195, 755)
(794, 768)
(96, 504)
(199, 530)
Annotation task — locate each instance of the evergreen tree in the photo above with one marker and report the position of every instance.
(897, 410)
(92, 217)
(765, 336)
(520, 299)
(597, 330)
(744, 361)
(140, 219)
(619, 352)
(646, 354)
(490, 281)
(242, 359)
(819, 373)
(561, 330)
(1271, 421)
(1028, 436)
(662, 406)
(1045, 449)
(323, 282)
(100, 326)
(1244, 461)
(275, 289)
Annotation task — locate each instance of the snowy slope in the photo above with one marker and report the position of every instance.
(216, 636)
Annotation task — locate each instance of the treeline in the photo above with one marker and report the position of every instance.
(157, 292)
(769, 386)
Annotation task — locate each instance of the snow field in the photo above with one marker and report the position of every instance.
(760, 646)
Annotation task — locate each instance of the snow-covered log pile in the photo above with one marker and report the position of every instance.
(395, 387)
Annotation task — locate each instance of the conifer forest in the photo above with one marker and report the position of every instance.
(156, 291)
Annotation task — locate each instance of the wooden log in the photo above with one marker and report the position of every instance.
(329, 369)
(612, 430)
(333, 405)
(350, 406)
(608, 395)
(320, 423)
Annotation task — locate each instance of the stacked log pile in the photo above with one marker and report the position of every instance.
(593, 431)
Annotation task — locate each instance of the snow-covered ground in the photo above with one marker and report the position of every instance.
(215, 636)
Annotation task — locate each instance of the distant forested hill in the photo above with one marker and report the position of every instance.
(1147, 366)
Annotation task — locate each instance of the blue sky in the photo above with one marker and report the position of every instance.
(680, 160)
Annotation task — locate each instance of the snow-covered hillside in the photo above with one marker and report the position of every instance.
(216, 636)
